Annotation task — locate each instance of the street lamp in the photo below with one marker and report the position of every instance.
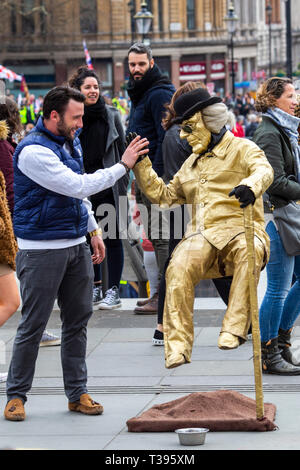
(269, 15)
(231, 20)
(143, 20)
(132, 21)
(289, 61)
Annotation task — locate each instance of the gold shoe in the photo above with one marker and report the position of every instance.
(228, 341)
(86, 405)
(14, 410)
(175, 360)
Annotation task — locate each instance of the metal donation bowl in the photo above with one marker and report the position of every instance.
(192, 436)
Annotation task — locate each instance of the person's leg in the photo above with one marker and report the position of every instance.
(9, 296)
(75, 302)
(279, 278)
(190, 262)
(162, 286)
(115, 261)
(151, 270)
(158, 233)
(223, 285)
(40, 273)
(291, 307)
(237, 317)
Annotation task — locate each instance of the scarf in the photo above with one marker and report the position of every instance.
(290, 126)
(137, 88)
(94, 135)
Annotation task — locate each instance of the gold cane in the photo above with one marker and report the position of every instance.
(252, 276)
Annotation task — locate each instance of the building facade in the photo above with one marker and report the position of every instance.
(42, 39)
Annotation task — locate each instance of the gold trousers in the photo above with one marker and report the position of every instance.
(194, 259)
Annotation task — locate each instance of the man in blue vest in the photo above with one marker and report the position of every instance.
(51, 219)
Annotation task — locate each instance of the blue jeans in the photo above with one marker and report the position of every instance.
(281, 303)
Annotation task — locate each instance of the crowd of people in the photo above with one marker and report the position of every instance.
(66, 161)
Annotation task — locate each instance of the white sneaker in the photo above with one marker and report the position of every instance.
(48, 339)
(111, 299)
(97, 295)
(3, 376)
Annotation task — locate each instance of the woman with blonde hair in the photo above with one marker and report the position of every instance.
(278, 136)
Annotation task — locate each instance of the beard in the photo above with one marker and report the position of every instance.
(139, 75)
(64, 130)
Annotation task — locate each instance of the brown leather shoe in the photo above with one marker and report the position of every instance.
(141, 303)
(149, 308)
(14, 410)
(86, 405)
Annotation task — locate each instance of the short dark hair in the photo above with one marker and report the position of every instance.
(58, 99)
(83, 72)
(140, 48)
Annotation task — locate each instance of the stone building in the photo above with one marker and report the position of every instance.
(189, 38)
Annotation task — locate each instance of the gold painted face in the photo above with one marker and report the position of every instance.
(195, 132)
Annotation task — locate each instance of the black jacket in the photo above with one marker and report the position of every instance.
(272, 139)
(145, 119)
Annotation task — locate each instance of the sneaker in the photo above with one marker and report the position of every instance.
(48, 339)
(3, 376)
(97, 295)
(158, 338)
(111, 299)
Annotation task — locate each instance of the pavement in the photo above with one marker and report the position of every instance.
(127, 375)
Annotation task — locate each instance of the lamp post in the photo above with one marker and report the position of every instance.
(231, 20)
(132, 21)
(289, 66)
(143, 20)
(269, 15)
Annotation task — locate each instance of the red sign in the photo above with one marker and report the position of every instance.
(192, 70)
(217, 69)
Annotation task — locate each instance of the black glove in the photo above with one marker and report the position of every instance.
(244, 194)
(130, 137)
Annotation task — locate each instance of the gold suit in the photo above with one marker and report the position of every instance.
(214, 243)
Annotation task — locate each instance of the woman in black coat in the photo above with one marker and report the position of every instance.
(277, 135)
(103, 143)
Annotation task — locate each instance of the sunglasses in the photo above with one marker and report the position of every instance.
(187, 128)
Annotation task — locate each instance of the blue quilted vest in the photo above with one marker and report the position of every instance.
(41, 214)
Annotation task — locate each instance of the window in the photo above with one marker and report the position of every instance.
(190, 14)
(88, 16)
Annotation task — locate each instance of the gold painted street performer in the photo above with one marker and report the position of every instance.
(220, 167)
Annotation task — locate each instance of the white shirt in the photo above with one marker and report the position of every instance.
(43, 166)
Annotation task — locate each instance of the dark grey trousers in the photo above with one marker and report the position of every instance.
(66, 274)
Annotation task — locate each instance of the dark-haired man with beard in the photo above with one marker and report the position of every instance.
(52, 217)
(149, 90)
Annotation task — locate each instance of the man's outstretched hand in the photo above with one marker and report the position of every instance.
(244, 194)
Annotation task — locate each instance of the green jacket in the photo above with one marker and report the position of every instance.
(272, 139)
